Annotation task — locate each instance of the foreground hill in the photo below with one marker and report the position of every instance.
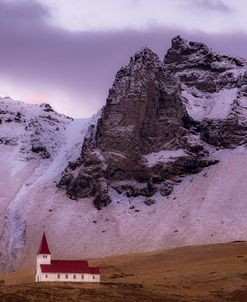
(210, 273)
(165, 161)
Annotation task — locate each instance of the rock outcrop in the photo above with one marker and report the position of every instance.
(156, 121)
(215, 84)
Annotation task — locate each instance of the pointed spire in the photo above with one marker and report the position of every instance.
(43, 248)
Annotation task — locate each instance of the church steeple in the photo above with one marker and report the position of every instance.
(43, 248)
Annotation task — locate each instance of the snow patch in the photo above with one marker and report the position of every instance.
(209, 105)
(163, 156)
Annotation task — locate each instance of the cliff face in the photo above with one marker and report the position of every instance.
(158, 121)
(214, 87)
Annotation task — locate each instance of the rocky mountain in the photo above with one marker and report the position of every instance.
(158, 122)
(164, 160)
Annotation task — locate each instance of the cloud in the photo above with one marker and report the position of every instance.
(80, 66)
(23, 10)
(213, 5)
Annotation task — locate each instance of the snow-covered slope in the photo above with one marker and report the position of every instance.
(36, 144)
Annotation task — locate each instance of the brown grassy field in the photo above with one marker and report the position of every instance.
(198, 273)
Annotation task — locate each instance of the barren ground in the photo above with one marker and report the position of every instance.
(197, 273)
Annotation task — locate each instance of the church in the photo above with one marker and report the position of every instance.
(62, 270)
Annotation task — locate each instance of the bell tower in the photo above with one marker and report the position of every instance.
(43, 256)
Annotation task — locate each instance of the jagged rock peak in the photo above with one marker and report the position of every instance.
(185, 53)
(182, 44)
(181, 49)
(143, 61)
(144, 67)
(145, 56)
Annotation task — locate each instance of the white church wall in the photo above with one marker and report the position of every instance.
(43, 259)
(56, 277)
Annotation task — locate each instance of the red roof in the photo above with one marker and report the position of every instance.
(94, 270)
(69, 266)
(43, 248)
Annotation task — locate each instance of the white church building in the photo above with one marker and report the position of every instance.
(62, 270)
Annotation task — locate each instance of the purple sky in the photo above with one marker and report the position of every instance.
(58, 54)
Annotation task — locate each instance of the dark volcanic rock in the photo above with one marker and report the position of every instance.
(198, 66)
(145, 133)
(228, 133)
(41, 150)
(133, 190)
(202, 73)
(166, 189)
(80, 186)
(143, 98)
(149, 202)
